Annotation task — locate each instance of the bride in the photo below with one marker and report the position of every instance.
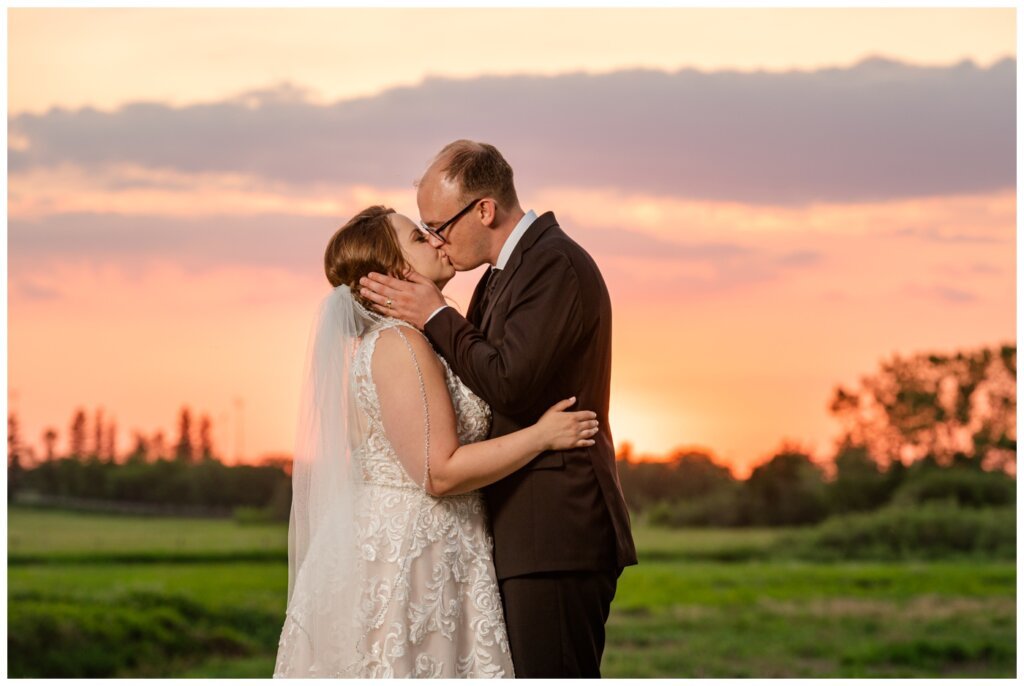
(389, 557)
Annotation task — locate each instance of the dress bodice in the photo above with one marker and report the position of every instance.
(376, 457)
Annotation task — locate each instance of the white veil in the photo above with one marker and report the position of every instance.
(323, 586)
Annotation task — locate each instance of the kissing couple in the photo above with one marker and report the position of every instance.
(426, 440)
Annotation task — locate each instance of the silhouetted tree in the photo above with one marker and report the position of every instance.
(110, 442)
(158, 446)
(788, 489)
(97, 444)
(205, 440)
(698, 473)
(49, 443)
(140, 451)
(183, 449)
(859, 483)
(939, 405)
(14, 463)
(684, 475)
(78, 435)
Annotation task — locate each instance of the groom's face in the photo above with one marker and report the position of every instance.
(439, 199)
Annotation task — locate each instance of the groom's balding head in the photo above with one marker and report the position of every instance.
(467, 197)
(478, 170)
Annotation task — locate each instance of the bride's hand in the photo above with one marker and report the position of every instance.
(561, 430)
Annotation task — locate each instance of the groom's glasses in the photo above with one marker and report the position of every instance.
(436, 233)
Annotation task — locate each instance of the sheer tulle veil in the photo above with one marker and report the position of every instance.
(323, 586)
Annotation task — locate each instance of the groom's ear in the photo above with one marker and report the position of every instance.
(488, 212)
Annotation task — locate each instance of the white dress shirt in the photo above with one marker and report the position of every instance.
(506, 249)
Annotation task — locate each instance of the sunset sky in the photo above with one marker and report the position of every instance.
(778, 199)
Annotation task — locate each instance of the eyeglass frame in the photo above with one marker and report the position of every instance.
(436, 233)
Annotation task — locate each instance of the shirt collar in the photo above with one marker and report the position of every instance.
(513, 238)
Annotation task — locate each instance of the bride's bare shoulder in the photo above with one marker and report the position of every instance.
(398, 347)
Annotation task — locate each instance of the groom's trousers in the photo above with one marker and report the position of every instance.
(556, 621)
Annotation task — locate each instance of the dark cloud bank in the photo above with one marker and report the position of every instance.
(875, 131)
(295, 243)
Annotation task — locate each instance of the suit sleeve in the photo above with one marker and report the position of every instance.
(544, 323)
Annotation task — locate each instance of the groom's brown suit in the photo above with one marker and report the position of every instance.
(541, 333)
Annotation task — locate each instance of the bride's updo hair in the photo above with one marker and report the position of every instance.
(366, 243)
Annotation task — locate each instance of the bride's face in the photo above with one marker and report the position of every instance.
(429, 261)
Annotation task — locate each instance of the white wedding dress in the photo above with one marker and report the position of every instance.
(428, 602)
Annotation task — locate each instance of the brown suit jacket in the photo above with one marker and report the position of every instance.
(546, 335)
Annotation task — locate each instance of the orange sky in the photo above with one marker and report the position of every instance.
(734, 353)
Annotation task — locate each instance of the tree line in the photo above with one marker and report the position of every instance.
(184, 476)
(98, 442)
(924, 427)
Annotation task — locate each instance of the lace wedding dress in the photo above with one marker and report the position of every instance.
(426, 600)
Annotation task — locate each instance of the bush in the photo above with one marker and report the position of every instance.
(963, 486)
(718, 508)
(209, 483)
(859, 483)
(684, 475)
(926, 532)
(52, 636)
(787, 490)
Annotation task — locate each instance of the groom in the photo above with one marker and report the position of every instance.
(538, 330)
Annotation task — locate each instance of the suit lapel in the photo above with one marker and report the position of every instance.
(503, 278)
(537, 228)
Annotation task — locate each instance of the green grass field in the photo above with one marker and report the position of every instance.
(34, 534)
(94, 595)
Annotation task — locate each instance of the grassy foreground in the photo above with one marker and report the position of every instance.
(95, 595)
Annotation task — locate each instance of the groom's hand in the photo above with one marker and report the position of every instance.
(413, 300)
